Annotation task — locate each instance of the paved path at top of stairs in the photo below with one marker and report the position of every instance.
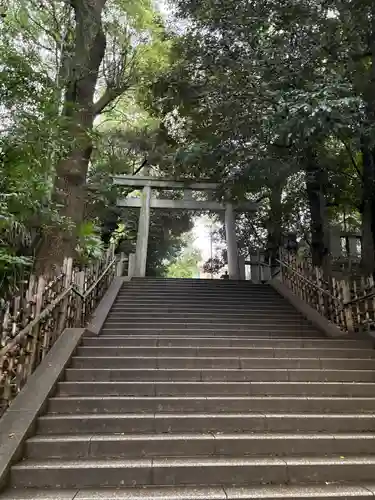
(201, 389)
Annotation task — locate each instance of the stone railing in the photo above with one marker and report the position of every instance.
(31, 323)
(348, 304)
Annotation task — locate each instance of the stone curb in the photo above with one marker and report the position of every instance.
(321, 323)
(105, 305)
(18, 421)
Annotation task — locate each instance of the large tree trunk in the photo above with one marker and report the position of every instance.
(368, 175)
(368, 210)
(78, 114)
(315, 181)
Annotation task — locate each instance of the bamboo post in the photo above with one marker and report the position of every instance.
(68, 274)
(335, 315)
(48, 317)
(35, 332)
(320, 305)
(79, 281)
(120, 265)
(340, 309)
(348, 310)
(281, 274)
(18, 366)
(372, 302)
(366, 287)
(361, 304)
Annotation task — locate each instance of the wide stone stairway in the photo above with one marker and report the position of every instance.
(201, 389)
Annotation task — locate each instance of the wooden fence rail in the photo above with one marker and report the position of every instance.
(31, 323)
(348, 304)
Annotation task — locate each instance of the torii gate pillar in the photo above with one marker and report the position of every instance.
(232, 250)
(143, 231)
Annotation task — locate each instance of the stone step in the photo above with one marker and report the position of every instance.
(193, 301)
(179, 323)
(184, 284)
(255, 352)
(223, 290)
(194, 295)
(186, 374)
(204, 362)
(202, 308)
(228, 404)
(213, 323)
(171, 388)
(211, 300)
(194, 471)
(188, 281)
(209, 329)
(264, 492)
(204, 290)
(206, 294)
(108, 446)
(217, 286)
(182, 341)
(167, 319)
(196, 386)
(170, 313)
(126, 423)
(212, 333)
(224, 285)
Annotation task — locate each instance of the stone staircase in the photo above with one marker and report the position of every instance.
(206, 390)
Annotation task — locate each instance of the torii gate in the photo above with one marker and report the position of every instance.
(147, 202)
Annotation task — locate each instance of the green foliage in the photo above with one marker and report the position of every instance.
(246, 95)
(165, 240)
(258, 89)
(90, 245)
(119, 234)
(185, 264)
(214, 265)
(12, 235)
(37, 48)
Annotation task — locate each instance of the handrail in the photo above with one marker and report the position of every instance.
(343, 304)
(23, 333)
(94, 285)
(359, 299)
(282, 263)
(32, 322)
(351, 309)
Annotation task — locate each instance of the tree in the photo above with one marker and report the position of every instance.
(274, 101)
(103, 40)
(185, 264)
(125, 149)
(67, 66)
(263, 82)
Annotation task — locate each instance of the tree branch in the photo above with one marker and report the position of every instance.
(261, 198)
(110, 95)
(255, 233)
(349, 151)
(141, 166)
(357, 57)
